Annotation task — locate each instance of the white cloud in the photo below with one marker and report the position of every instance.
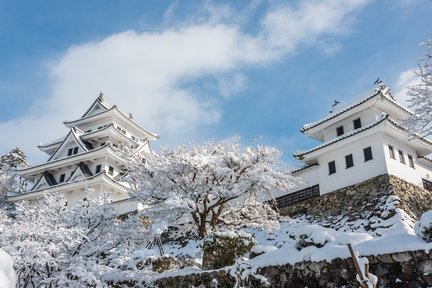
(232, 85)
(406, 78)
(145, 73)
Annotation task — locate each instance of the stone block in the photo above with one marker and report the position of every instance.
(425, 267)
(402, 257)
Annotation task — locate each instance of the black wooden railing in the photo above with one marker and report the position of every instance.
(298, 196)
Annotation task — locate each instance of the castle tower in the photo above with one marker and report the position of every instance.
(85, 157)
(359, 141)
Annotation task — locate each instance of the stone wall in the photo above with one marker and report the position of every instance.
(407, 269)
(365, 200)
(414, 199)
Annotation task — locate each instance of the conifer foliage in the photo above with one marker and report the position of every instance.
(10, 183)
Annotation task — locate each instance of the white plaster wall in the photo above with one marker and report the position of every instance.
(361, 170)
(367, 116)
(404, 171)
(307, 178)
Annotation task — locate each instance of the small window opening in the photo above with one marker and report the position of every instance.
(62, 178)
(339, 131)
(401, 157)
(349, 161)
(332, 167)
(357, 123)
(411, 161)
(367, 152)
(391, 152)
(98, 168)
(110, 170)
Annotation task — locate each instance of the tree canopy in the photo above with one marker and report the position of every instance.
(420, 96)
(208, 187)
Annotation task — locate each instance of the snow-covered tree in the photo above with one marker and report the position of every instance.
(420, 124)
(205, 188)
(54, 245)
(9, 181)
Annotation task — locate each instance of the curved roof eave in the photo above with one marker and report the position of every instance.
(350, 107)
(384, 118)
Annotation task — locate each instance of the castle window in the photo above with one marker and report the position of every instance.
(70, 151)
(123, 131)
(75, 150)
(332, 167)
(98, 168)
(427, 184)
(349, 161)
(118, 128)
(411, 161)
(367, 152)
(62, 178)
(391, 152)
(339, 131)
(401, 157)
(110, 170)
(357, 123)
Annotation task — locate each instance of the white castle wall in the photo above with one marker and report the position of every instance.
(361, 170)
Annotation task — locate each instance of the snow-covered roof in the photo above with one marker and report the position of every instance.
(383, 118)
(382, 91)
(304, 168)
(99, 102)
(97, 152)
(61, 187)
(113, 111)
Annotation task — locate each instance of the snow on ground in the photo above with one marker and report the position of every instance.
(285, 245)
(7, 273)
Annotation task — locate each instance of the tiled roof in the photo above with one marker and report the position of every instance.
(384, 117)
(98, 101)
(342, 137)
(303, 168)
(356, 104)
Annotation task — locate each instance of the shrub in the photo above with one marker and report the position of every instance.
(312, 235)
(223, 248)
(423, 228)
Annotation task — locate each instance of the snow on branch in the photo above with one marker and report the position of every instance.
(207, 187)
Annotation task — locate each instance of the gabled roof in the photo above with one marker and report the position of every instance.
(74, 134)
(46, 178)
(97, 104)
(382, 91)
(115, 111)
(97, 152)
(384, 118)
(61, 187)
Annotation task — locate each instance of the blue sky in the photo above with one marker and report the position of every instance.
(191, 70)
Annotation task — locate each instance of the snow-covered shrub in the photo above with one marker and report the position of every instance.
(246, 275)
(312, 235)
(223, 248)
(165, 262)
(260, 249)
(423, 228)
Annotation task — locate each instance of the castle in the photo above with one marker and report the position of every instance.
(359, 141)
(86, 157)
